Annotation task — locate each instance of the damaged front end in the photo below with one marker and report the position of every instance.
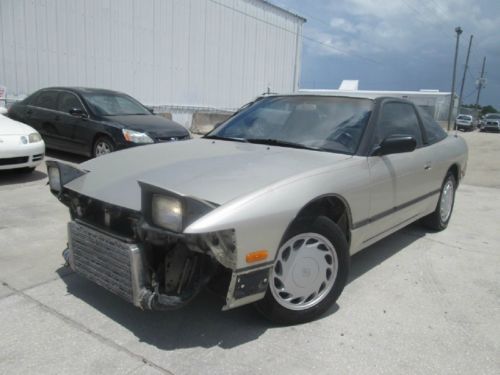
(144, 256)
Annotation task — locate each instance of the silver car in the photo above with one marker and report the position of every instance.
(265, 209)
(464, 122)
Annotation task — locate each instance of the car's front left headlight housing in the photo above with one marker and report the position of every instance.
(167, 212)
(34, 138)
(136, 137)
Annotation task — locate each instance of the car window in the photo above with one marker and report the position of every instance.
(398, 119)
(333, 124)
(115, 105)
(433, 130)
(46, 99)
(68, 101)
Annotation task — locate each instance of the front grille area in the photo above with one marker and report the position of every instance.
(11, 161)
(103, 259)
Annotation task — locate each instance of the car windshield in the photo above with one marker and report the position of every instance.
(462, 117)
(111, 104)
(320, 123)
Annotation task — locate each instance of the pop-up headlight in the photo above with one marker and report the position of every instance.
(166, 212)
(60, 174)
(54, 178)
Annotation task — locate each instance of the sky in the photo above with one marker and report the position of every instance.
(400, 44)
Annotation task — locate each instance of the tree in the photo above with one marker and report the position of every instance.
(488, 109)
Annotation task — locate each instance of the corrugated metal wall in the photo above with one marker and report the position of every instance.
(201, 53)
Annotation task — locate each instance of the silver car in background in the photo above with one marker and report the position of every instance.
(464, 122)
(266, 209)
(491, 122)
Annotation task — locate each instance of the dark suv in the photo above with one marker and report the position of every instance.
(93, 122)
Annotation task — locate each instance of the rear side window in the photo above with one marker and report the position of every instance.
(68, 101)
(398, 119)
(433, 130)
(46, 99)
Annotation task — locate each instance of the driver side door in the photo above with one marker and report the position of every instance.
(398, 182)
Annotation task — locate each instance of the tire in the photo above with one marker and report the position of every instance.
(316, 291)
(102, 146)
(439, 219)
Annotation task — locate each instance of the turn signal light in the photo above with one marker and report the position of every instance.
(257, 256)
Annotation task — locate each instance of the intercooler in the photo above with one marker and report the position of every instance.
(108, 261)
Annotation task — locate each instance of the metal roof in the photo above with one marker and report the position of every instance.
(283, 10)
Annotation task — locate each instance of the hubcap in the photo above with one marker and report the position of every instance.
(304, 272)
(102, 148)
(446, 203)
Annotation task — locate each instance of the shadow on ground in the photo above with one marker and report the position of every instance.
(65, 156)
(202, 323)
(20, 176)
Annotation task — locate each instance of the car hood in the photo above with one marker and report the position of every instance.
(214, 171)
(156, 126)
(11, 127)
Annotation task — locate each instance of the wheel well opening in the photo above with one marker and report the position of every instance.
(454, 169)
(331, 207)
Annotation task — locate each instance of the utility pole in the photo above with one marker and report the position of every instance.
(480, 84)
(460, 98)
(458, 30)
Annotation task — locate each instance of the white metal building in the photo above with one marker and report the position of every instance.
(435, 102)
(178, 54)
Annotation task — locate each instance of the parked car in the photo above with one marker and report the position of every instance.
(93, 122)
(269, 206)
(464, 122)
(490, 122)
(21, 146)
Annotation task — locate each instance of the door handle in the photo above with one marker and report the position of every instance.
(29, 112)
(427, 166)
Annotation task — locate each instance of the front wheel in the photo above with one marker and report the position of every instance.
(309, 273)
(102, 146)
(439, 219)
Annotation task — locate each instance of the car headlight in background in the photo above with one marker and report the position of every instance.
(54, 178)
(166, 212)
(34, 138)
(136, 137)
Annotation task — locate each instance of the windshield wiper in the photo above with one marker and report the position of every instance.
(277, 142)
(218, 137)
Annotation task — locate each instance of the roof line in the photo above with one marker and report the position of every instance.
(283, 10)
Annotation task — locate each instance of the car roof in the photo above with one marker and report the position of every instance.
(312, 94)
(84, 90)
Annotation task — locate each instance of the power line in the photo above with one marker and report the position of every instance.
(306, 37)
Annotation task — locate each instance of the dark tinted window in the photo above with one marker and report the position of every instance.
(398, 119)
(433, 131)
(46, 99)
(68, 101)
(30, 99)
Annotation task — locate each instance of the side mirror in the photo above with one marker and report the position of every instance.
(396, 145)
(150, 109)
(77, 112)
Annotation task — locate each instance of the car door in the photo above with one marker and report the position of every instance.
(401, 181)
(41, 114)
(71, 122)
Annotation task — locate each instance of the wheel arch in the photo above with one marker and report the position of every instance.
(332, 206)
(455, 170)
(96, 136)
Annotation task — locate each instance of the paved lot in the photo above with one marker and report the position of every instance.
(417, 302)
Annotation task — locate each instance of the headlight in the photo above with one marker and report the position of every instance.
(54, 178)
(136, 137)
(34, 137)
(166, 212)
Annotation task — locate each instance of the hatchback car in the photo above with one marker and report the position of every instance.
(93, 122)
(21, 147)
(464, 122)
(269, 206)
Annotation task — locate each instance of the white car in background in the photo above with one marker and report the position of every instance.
(21, 146)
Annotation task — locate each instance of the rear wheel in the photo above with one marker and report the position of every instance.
(102, 146)
(309, 273)
(439, 219)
